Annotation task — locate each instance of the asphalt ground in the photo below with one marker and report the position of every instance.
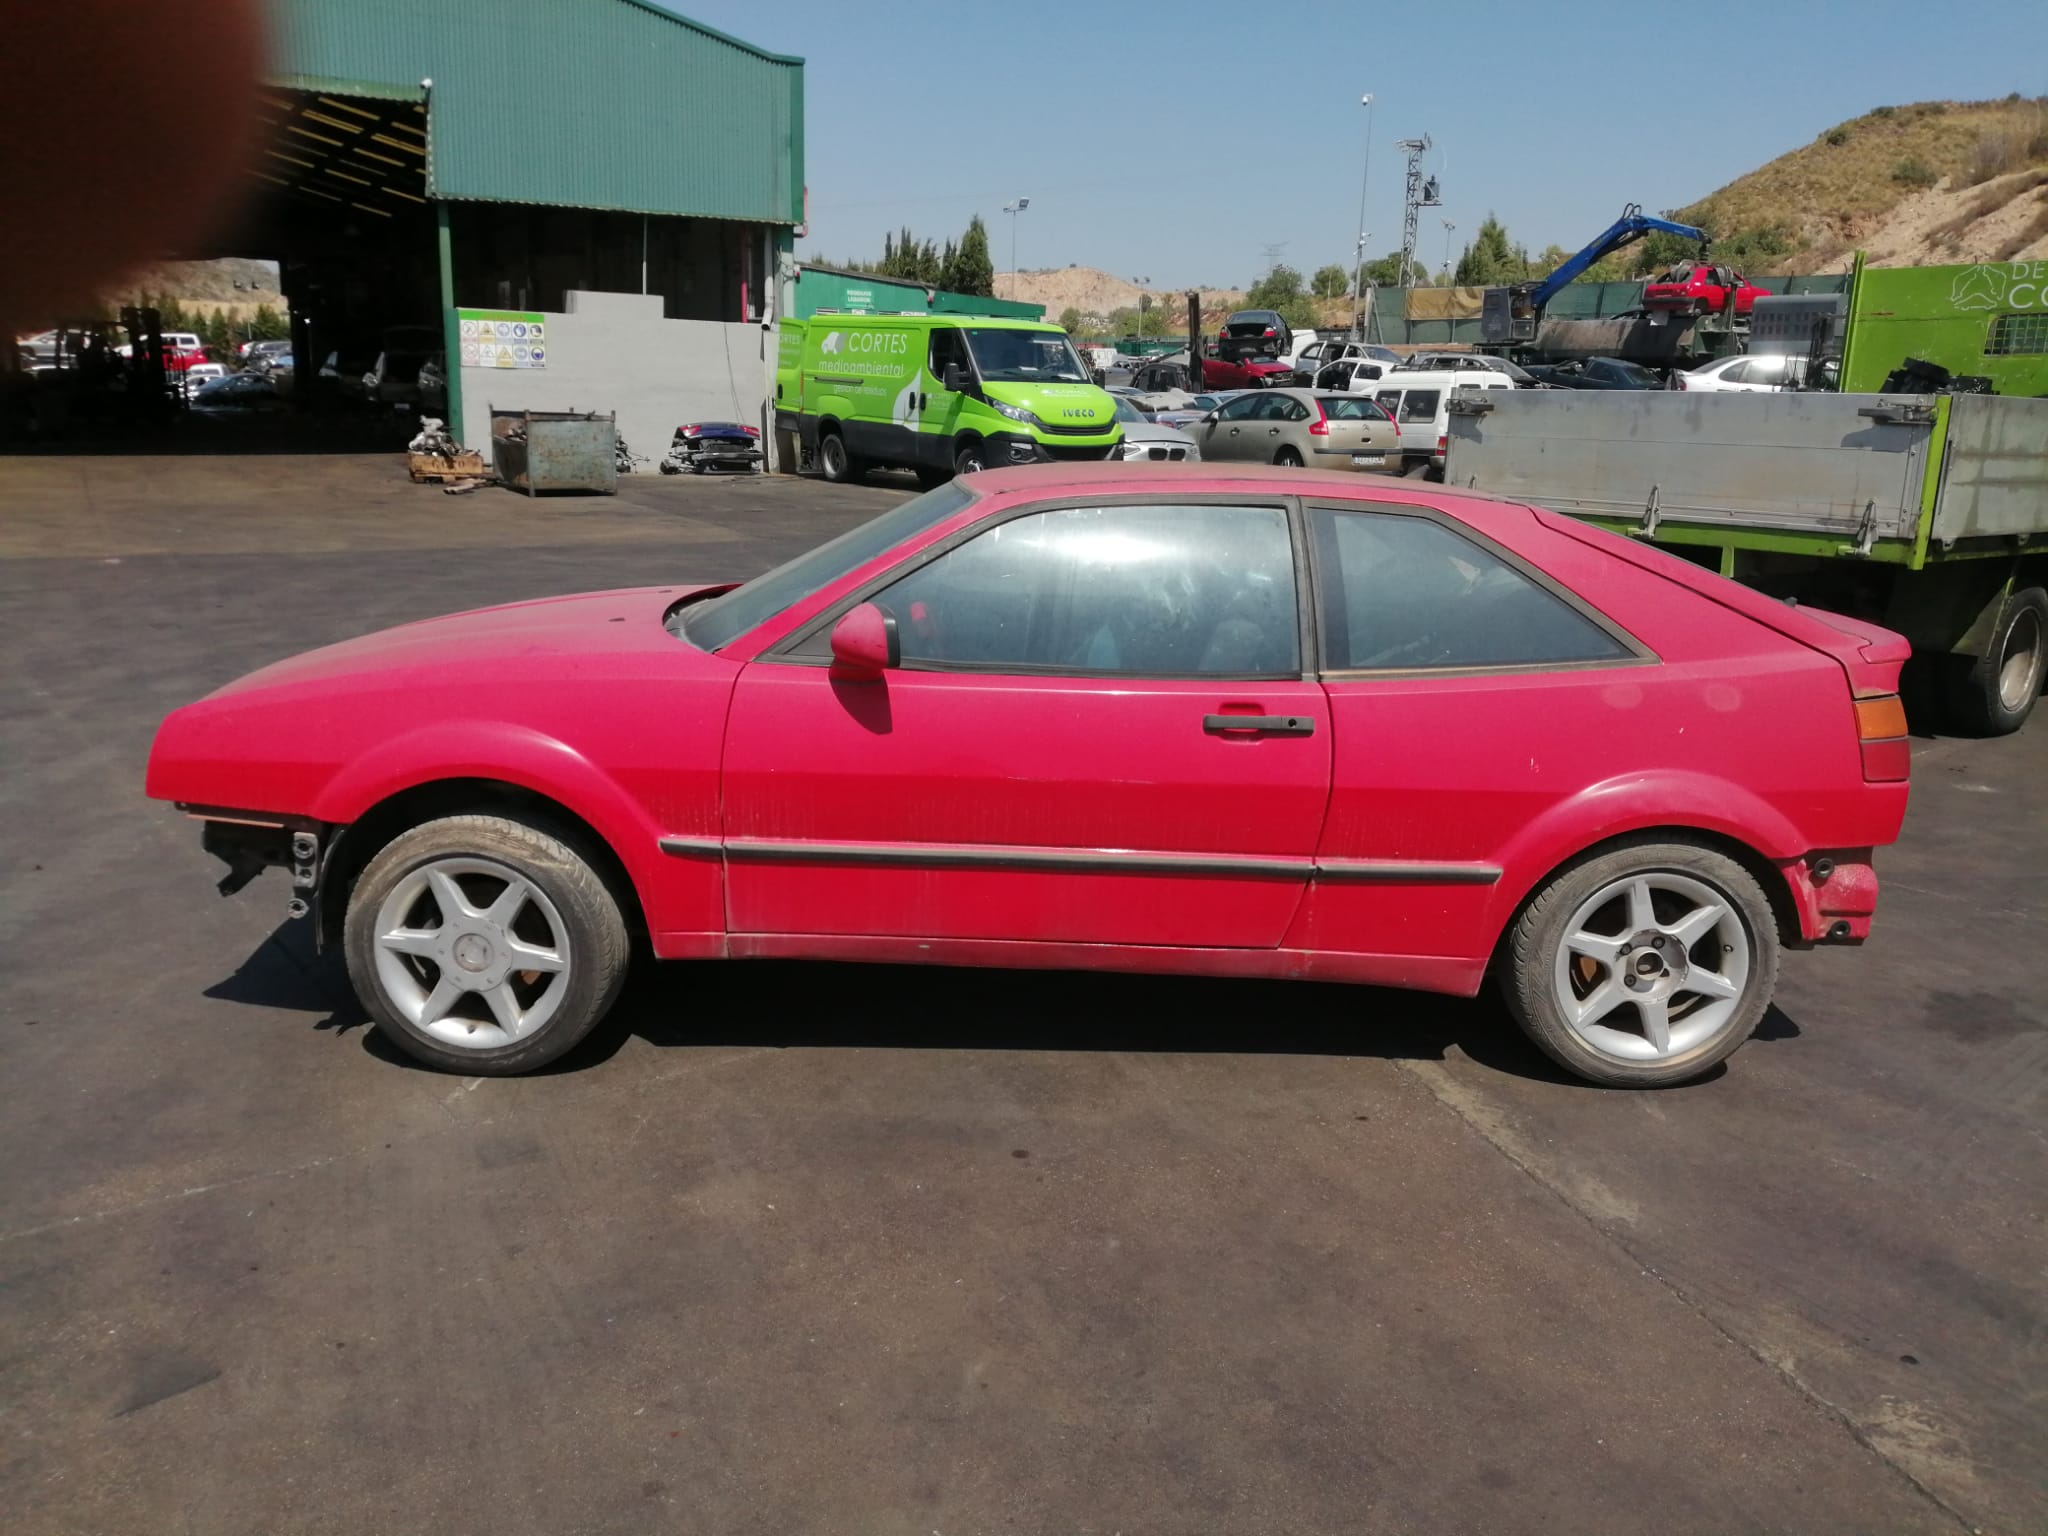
(851, 1249)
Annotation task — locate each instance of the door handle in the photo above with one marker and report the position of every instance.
(1264, 725)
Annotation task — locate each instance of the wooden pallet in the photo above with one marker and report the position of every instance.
(467, 465)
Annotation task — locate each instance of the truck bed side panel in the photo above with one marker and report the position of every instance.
(1805, 462)
(1996, 478)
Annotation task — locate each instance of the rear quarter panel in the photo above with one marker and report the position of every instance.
(1733, 730)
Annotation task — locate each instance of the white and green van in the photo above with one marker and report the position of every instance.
(938, 394)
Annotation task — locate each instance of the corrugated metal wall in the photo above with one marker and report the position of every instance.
(585, 103)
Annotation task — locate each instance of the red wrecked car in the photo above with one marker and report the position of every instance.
(1701, 288)
(1244, 722)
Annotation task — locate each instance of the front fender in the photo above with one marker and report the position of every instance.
(674, 894)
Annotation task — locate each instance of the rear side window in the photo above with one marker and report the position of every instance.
(1420, 405)
(1408, 593)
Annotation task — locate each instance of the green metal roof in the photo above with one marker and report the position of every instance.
(614, 104)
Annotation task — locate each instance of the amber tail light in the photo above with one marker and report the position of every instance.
(1881, 727)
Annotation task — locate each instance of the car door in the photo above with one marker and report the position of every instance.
(1461, 682)
(938, 416)
(1099, 733)
(1235, 433)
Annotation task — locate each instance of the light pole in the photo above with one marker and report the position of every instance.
(1448, 227)
(1144, 302)
(1365, 181)
(1013, 209)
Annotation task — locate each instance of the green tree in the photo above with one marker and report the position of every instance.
(1331, 282)
(1281, 290)
(1384, 271)
(268, 325)
(1070, 320)
(974, 271)
(1491, 260)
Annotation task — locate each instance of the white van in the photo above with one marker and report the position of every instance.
(1419, 400)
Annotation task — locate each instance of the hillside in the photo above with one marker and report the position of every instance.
(1931, 183)
(1097, 293)
(234, 284)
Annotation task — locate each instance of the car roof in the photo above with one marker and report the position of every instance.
(1035, 481)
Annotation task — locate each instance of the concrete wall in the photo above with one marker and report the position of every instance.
(614, 352)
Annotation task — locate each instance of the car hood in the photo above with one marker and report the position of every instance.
(562, 634)
(1060, 405)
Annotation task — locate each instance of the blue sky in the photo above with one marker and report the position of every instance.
(1550, 116)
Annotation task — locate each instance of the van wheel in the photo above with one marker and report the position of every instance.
(839, 466)
(971, 459)
(1416, 471)
(1288, 458)
(1992, 694)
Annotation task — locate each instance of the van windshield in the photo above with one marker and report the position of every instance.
(1024, 357)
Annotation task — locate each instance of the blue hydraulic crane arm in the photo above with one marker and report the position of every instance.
(1631, 226)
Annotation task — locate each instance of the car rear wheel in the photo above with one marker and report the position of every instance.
(1288, 457)
(837, 465)
(483, 945)
(1992, 694)
(1644, 966)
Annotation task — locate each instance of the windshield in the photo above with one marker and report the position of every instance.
(1518, 374)
(1024, 357)
(1635, 373)
(710, 625)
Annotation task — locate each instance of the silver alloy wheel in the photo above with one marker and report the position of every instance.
(472, 952)
(2019, 661)
(1651, 966)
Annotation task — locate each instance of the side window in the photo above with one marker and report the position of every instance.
(1420, 405)
(947, 348)
(1295, 410)
(1240, 409)
(1409, 593)
(1137, 591)
(1739, 373)
(1389, 400)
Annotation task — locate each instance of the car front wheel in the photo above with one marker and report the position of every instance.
(482, 945)
(1643, 966)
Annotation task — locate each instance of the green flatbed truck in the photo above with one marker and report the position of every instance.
(1927, 514)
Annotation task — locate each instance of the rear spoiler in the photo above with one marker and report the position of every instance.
(1869, 653)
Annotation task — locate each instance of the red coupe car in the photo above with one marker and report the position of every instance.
(1243, 722)
(1701, 288)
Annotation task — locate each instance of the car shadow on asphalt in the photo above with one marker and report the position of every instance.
(829, 1005)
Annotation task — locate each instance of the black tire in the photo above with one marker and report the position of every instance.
(594, 929)
(835, 463)
(970, 457)
(1992, 694)
(1287, 458)
(1415, 469)
(1530, 976)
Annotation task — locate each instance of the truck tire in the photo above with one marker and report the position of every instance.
(483, 945)
(1992, 694)
(834, 462)
(969, 457)
(1644, 965)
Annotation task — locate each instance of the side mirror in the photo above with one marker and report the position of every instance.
(865, 644)
(955, 381)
